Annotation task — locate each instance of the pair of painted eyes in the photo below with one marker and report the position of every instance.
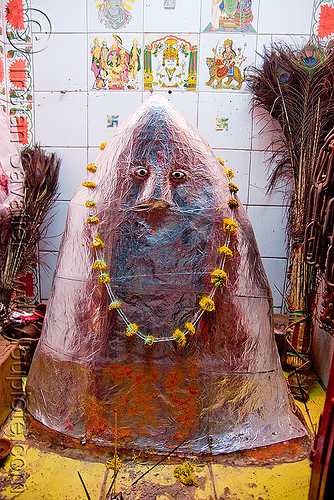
(142, 172)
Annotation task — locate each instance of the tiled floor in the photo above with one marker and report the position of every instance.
(33, 472)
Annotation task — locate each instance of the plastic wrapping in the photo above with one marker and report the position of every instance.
(158, 204)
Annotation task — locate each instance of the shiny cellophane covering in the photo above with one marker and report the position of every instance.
(223, 391)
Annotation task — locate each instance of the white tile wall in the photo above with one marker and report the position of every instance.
(73, 163)
(276, 272)
(61, 118)
(269, 228)
(54, 227)
(46, 270)
(259, 182)
(113, 103)
(234, 107)
(185, 18)
(285, 16)
(74, 123)
(62, 64)
(64, 16)
(239, 161)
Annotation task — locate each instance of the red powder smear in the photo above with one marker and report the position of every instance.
(326, 21)
(14, 14)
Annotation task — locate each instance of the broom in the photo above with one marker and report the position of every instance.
(296, 87)
(22, 230)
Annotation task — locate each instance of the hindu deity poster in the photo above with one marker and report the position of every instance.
(114, 14)
(226, 64)
(230, 16)
(170, 62)
(115, 65)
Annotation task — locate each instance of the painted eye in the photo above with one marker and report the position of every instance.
(141, 172)
(178, 175)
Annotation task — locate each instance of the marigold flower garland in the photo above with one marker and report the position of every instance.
(206, 302)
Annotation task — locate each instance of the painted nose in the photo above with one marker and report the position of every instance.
(157, 192)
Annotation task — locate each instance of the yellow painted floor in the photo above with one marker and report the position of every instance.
(32, 473)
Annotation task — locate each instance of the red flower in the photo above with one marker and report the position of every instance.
(2, 70)
(326, 21)
(22, 129)
(18, 74)
(14, 14)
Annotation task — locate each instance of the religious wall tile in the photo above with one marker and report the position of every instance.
(230, 16)
(116, 62)
(170, 62)
(224, 60)
(169, 4)
(19, 71)
(2, 78)
(233, 109)
(323, 19)
(2, 66)
(115, 15)
(106, 111)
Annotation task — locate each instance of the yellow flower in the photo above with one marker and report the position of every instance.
(97, 242)
(149, 340)
(100, 264)
(89, 184)
(207, 304)
(190, 327)
(218, 278)
(222, 162)
(229, 172)
(225, 250)
(92, 220)
(132, 329)
(110, 463)
(179, 338)
(103, 278)
(103, 145)
(232, 203)
(115, 304)
(90, 203)
(233, 187)
(91, 167)
(185, 474)
(230, 226)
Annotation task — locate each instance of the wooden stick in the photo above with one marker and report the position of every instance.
(84, 486)
(103, 487)
(155, 465)
(115, 457)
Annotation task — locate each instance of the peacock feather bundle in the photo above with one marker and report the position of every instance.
(22, 230)
(295, 85)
